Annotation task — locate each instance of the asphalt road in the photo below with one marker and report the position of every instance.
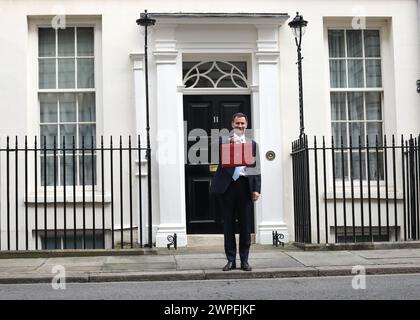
(372, 287)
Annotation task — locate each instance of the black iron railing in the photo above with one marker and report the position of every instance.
(346, 191)
(61, 194)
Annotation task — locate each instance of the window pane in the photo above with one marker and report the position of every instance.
(356, 74)
(66, 42)
(87, 131)
(49, 131)
(338, 73)
(46, 73)
(357, 129)
(48, 107)
(372, 44)
(67, 107)
(85, 72)
(85, 41)
(69, 169)
(66, 73)
(376, 167)
(86, 164)
(374, 131)
(68, 131)
(86, 107)
(355, 106)
(373, 74)
(46, 42)
(338, 106)
(354, 43)
(49, 173)
(336, 43)
(339, 130)
(373, 106)
(356, 165)
(341, 163)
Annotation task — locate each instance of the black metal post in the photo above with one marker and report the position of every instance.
(298, 25)
(299, 62)
(146, 21)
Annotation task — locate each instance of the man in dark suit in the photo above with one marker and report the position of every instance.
(237, 188)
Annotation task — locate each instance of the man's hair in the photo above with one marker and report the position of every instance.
(239, 115)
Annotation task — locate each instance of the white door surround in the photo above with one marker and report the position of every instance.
(177, 37)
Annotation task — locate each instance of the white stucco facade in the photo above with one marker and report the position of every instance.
(237, 31)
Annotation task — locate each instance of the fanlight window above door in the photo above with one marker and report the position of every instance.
(215, 74)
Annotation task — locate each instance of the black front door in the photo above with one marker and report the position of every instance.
(205, 113)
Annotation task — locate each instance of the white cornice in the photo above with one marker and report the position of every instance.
(136, 56)
(267, 57)
(165, 57)
(137, 59)
(220, 18)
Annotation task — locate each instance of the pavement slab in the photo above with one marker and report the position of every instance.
(140, 259)
(199, 264)
(325, 258)
(384, 254)
(123, 267)
(10, 263)
(185, 264)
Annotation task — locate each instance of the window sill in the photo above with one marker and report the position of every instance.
(356, 194)
(69, 197)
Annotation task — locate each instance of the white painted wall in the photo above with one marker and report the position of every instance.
(120, 36)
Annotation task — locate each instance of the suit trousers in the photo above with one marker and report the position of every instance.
(236, 202)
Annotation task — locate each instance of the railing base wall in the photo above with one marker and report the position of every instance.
(357, 246)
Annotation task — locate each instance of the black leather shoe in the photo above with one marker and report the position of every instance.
(229, 266)
(245, 266)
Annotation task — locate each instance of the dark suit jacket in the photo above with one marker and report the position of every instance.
(223, 176)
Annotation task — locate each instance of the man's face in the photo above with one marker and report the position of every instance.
(239, 124)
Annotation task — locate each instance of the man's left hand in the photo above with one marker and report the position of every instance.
(255, 196)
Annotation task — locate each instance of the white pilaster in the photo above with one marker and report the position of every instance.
(269, 135)
(140, 111)
(170, 143)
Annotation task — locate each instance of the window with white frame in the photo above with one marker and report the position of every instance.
(356, 96)
(66, 95)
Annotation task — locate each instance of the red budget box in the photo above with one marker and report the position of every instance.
(237, 154)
